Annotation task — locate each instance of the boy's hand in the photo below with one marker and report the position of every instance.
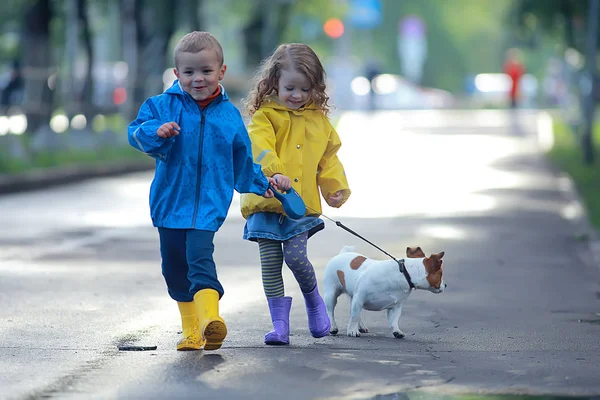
(269, 192)
(283, 182)
(335, 199)
(168, 130)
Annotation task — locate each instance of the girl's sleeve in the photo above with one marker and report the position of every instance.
(142, 133)
(247, 175)
(262, 136)
(331, 176)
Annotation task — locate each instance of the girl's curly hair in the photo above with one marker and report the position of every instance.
(292, 56)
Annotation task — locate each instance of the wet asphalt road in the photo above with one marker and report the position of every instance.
(80, 274)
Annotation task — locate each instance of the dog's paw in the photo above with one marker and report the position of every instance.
(353, 333)
(362, 328)
(398, 334)
(334, 331)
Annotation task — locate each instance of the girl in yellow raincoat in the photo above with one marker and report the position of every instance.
(295, 143)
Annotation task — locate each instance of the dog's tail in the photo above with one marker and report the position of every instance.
(347, 249)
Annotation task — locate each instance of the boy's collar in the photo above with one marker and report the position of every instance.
(210, 99)
(177, 89)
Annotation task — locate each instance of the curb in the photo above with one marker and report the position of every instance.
(585, 231)
(44, 178)
(590, 235)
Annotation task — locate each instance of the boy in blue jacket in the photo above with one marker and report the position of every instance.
(203, 153)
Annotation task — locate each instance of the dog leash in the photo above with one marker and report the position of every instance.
(400, 262)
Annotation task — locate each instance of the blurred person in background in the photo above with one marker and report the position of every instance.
(554, 83)
(11, 86)
(514, 68)
(371, 71)
(203, 153)
(292, 137)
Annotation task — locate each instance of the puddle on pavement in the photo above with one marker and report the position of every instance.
(433, 396)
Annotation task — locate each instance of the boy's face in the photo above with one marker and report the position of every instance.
(294, 89)
(199, 73)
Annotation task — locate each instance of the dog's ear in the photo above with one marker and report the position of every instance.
(414, 252)
(435, 261)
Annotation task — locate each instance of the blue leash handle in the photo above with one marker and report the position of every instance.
(292, 203)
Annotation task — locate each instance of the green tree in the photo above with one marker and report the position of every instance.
(464, 37)
(576, 21)
(271, 22)
(37, 62)
(87, 90)
(558, 18)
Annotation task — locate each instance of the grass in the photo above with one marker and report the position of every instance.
(568, 156)
(70, 157)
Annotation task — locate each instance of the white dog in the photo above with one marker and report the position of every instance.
(378, 285)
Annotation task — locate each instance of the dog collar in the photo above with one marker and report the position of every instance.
(405, 273)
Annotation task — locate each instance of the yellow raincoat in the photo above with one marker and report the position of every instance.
(301, 144)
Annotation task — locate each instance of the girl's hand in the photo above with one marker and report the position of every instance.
(335, 199)
(168, 130)
(283, 182)
(269, 193)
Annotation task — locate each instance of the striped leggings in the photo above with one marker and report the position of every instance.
(294, 252)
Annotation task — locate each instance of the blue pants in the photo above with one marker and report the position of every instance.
(187, 262)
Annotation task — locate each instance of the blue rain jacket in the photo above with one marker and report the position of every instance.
(197, 170)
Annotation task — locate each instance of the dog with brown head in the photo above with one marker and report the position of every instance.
(377, 285)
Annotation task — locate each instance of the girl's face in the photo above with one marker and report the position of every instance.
(199, 73)
(294, 89)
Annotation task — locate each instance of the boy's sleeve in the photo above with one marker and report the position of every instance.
(247, 175)
(262, 135)
(331, 176)
(142, 133)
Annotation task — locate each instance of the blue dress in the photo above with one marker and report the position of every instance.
(274, 226)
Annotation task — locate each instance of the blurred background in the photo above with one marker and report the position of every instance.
(74, 72)
(457, 119)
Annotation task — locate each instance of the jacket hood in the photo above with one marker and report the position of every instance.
(177, 90)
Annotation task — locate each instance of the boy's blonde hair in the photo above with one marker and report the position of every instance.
(292, 56)
(195, 42)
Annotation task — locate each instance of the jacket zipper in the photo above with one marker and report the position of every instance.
(199, 168)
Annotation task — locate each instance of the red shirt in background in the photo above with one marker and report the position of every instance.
(515, 71)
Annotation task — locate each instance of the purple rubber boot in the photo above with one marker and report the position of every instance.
(280, 315)
(318, 321)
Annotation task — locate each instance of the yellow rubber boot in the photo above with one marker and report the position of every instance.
(191, 328)
(212, 326)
